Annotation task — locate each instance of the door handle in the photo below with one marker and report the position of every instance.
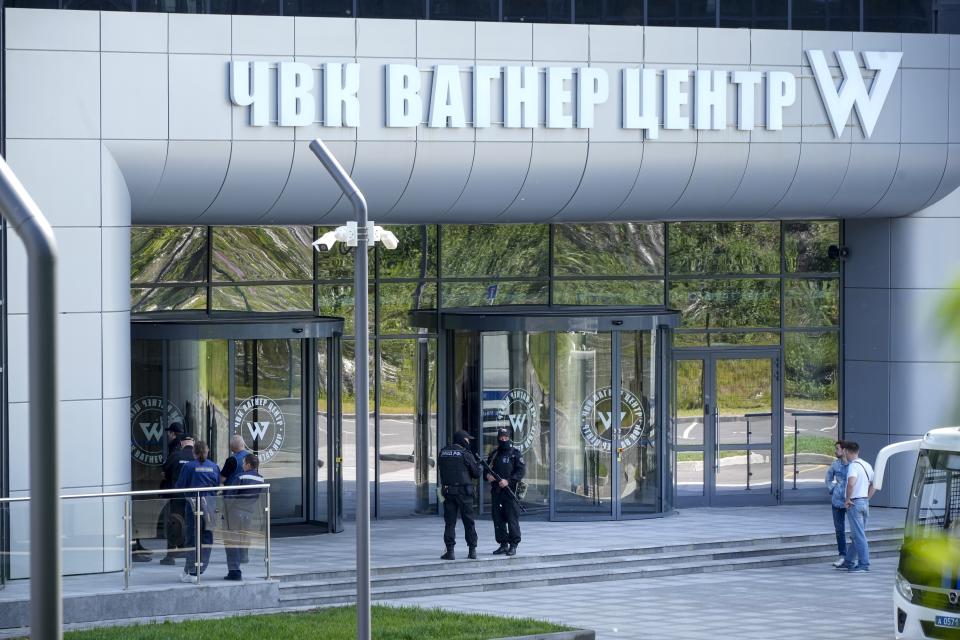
(716, 440)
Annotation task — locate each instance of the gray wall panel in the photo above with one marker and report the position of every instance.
(868, 177)
(869, 261)
(920, 51)
(317, 130)
(499, 169)
(717, 173)
(555, 173)
(866, 397)
(142, 163)
(867, 328)
(325, 36)
(382, 170)
(776, 47)
(194, 173)
(310, 192)
(386, 38)
(446, 39)
(933, 238)
(262, 36)
(507, 41)
(256, 176)
(616, 44)
(940, 204)
(440, 174)
(611, 170)
(140, 32)
(199, 109)
(134, 95)
(954, 105)
(769, 172)
(723, 46)
(924, 105)
(923, 396)
(918, 176)
(60, 30)
(820, 173)
(560, 42)
(664, 174)
(199, 33)
(58, 94)
(240, 118)
(917, 323)
(670, 44)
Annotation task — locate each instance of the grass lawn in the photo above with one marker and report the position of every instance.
(389, 623)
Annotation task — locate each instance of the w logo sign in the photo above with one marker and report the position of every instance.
(853, 90)
(606, 417)
(258, 429)
(517, 421)
(152, 430)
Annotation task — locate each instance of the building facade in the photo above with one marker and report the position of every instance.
(740, 237)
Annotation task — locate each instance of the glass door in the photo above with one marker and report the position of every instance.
(727, 427)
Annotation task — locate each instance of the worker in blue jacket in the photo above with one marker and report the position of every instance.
(242, 506)
(199, 473)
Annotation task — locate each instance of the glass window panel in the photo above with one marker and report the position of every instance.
(245, 254)
(348, 403)
(144, 299)
(267, 297)
(414, 257)
(904, 16)
(806, 246)
(744, 470)
(168, 254)
(689, 473)
(608, 292)
(688, 426)
(811, 303)
(337, 264)
(639, 469)
(479, 294)
(826, 15)
(746, 338)
(337, 300)
(724, 247)
(627, 249)
(494, 251)
(584, 457)
(536, 10)
(811, 419)
(609, 11)
(464, 10)
(398, 299)
(407, 426)
(727, 303)
(334, 8)
(413, 9)
(767, 14)
(699, 13)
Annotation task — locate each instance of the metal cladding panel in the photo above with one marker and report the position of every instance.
(951, 176)
(664, 175)
(310, 193)
(770, 170)
(382, 171)
(612, 168)
(440, 173)
(871, 169)
(192, 178)
(717, 173)
(255, 179)
(819, 175)
(556, 170)
(918, 176)
(499, 169)
(142, 163)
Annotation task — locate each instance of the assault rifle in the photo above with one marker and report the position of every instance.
(496, 476)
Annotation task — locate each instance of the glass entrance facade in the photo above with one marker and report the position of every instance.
(737, 285)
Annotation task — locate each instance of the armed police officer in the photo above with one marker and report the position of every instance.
(507, 463)
(458, 469)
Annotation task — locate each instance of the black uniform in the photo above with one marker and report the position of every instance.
(458, 468)
(507, 462)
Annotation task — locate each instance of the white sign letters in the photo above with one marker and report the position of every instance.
(566, 97)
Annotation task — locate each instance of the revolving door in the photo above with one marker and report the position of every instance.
(584, 392)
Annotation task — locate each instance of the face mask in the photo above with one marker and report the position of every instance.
(503, 445)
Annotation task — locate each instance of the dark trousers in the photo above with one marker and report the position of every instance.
(839, 521)
(236, 538)
(454, 505)
(506, 518)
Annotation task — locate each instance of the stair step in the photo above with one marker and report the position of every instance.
(497, 567)
(734, 546)
(470, 583)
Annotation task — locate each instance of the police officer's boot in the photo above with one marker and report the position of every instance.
(512, 550)
(501, 549)
(472, 554)
(448, 555)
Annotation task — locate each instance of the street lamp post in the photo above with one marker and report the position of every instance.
(361, 236)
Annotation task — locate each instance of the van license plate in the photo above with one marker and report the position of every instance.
(952, 622)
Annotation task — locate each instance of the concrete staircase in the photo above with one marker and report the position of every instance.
(528, 570)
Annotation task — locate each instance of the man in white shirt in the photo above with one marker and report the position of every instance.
(859, 490)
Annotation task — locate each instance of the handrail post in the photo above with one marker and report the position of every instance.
(25, 219)
(267, 546)
(197, 535)
(127, 538)
(350, 189)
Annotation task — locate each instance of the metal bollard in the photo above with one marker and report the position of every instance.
(266, 558)
(127, 539)
(198, 534)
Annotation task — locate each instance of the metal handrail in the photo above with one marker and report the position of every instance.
(152, 492)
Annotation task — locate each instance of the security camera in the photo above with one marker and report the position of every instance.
(386, 237)
(326, 241)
